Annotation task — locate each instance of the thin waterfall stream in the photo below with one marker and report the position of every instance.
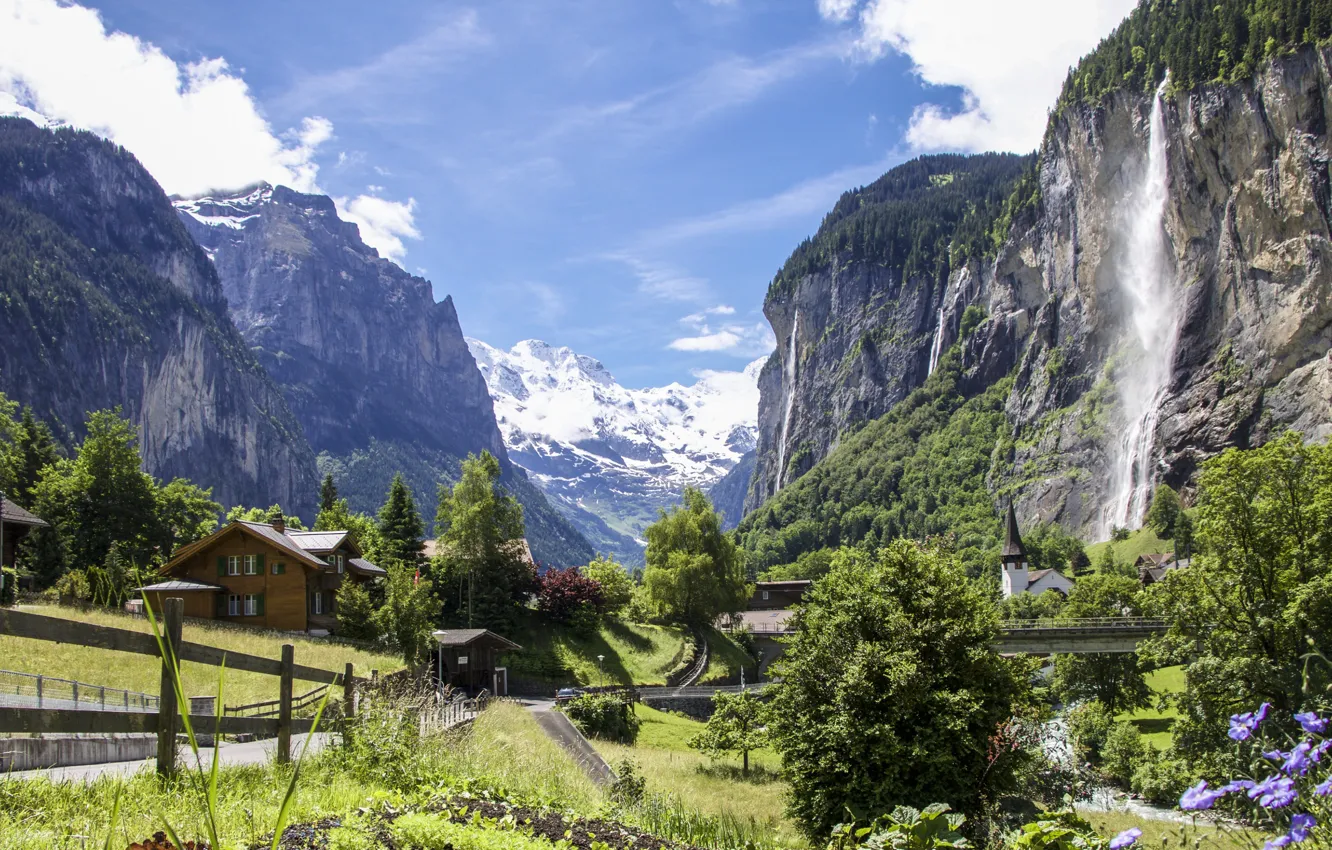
(789, 386)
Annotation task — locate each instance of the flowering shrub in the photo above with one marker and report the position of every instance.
(568, 595)
(1292, 797)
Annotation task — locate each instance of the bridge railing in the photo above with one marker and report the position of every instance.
(1045, 624)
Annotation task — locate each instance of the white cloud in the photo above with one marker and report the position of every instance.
(662, 280)
(383, 223)
(1009, 57)
(742, 340)
(194, 126)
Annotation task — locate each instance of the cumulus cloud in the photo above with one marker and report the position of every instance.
(742, 340)
(1009, 58)
(383, 223)
(194, 126)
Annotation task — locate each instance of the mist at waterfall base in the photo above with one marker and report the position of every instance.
(1145, 279)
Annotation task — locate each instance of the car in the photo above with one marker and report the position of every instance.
(563, 695)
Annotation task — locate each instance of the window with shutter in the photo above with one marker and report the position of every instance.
(260, 561)
(233, 565)
(251, 605)
(259, 604)
(233, 605)
(221, 565)
(250, 565)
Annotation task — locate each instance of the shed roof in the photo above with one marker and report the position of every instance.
(467, 637)
(793, 584)
(318, 541)
(361, 565)
(14, 515)
(179, 584)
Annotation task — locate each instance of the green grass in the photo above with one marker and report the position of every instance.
(506, 750)
(634, 653)
(1153, 723)
(1140, 542)
(725, 659)
(1200, 834)
(693, 781)
(143, 673)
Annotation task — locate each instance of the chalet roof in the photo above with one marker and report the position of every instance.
(282, 541)
(1156, 559)
(431, 548)
(14, 515)
(1012, 539)
(468, 637)
(318, 541)
(185, 585)
(364, 567)
(793, 584)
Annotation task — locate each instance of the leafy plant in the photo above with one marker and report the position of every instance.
(605, 716)
(738, 725)
(1060, 831)
(933, 828)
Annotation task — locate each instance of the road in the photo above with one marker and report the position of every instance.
(253, 752)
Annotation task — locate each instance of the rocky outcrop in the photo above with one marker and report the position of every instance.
(376, 371)
(105, 302)
(1248, 257)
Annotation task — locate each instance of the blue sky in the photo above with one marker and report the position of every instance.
(619, 176)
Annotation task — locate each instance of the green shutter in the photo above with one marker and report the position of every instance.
(281, 569)
(259, 604)
(259, 564)
(221, 565)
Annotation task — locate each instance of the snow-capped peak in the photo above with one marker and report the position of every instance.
(227, 210)
(619, 453)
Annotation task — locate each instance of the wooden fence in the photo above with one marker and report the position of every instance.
(165, 722)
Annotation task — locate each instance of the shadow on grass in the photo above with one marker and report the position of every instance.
(758, 775)
(1149, 726)
(621, 630)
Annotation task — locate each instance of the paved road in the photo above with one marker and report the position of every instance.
(253, 752)
(556, 725)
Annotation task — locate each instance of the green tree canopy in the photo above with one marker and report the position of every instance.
(1116, 679)
(37, 449)
(240, 513)
(356, 612)
(1164, 512)
(617, 589)
(738, 725)
(328, 493)
(888, 693)
(400, 527)
(481, 568)
(185, 513)
(408, 614)
(1259, 592)
(694, 573)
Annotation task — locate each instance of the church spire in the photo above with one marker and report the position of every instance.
(1013, 550)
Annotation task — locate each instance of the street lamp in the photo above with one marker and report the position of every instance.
(601, 672)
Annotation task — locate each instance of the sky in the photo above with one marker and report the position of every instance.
(622, 177)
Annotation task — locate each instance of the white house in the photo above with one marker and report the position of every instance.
(1016, 576)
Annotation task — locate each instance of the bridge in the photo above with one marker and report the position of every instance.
(1016, 637)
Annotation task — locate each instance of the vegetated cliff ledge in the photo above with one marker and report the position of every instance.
(376, 371)
(105, 301)
(1248, 254)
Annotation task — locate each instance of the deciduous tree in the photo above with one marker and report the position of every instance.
(694, 572)
(1116, 679)
(617, 588)
(738, 725)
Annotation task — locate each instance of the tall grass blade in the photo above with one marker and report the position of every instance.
(285, 811)
(115, 816)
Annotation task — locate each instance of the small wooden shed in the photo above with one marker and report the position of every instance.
(468, 659)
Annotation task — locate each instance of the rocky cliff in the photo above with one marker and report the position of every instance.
(1141, 338)
(376, 371)
(105, 301)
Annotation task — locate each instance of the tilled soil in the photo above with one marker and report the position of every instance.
(542, 823)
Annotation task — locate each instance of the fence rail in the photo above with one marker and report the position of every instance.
(1083, 623)
(20, 690)
(165, 722)
(272, 707)
(697, 691)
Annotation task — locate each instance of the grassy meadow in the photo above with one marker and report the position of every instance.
(1152, 722)
(1197, 834)
(692, 781)
(1140, 542)
(143, 672)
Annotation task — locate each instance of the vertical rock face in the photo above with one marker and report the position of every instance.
(105, 301)
(1248, 249)
(377, 371)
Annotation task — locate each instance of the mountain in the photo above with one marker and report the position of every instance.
(106, 301)
(1155, 288)
(375, 370)
(609, 456)
(728, 493)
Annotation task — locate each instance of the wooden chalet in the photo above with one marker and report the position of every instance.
(15, 523)
(262, 575)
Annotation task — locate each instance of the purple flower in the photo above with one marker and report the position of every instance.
(1298, 761)
(1300, 826)
(1242, 725)
(1274, 755)
(1199, 797)
(1324, 788)
(1312, 723)
(1274, 792)
(1277, 843)
(1237, 785)
(1125, 838)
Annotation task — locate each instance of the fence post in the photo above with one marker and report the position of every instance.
(75, 687)
(39, 691)
(168, 713)
(348, 703)
(284, 705)
(104, 696)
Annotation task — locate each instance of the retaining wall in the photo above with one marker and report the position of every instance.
(35, 753)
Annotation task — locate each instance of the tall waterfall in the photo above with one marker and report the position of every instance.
(937, 348)
(788, 383)
(1146, 278)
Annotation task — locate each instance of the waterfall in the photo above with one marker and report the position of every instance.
(1147, 281)
(788, 384)
(937, 348)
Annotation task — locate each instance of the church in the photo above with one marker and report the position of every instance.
(1016, 576)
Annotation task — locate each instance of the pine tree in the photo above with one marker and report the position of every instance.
(328, 494)
(36, 449)
(400, 527)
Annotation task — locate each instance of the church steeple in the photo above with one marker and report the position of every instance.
(1014, 578)
(1013, 550)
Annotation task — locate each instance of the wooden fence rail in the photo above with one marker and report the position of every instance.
(166, 722)
(269, 708)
